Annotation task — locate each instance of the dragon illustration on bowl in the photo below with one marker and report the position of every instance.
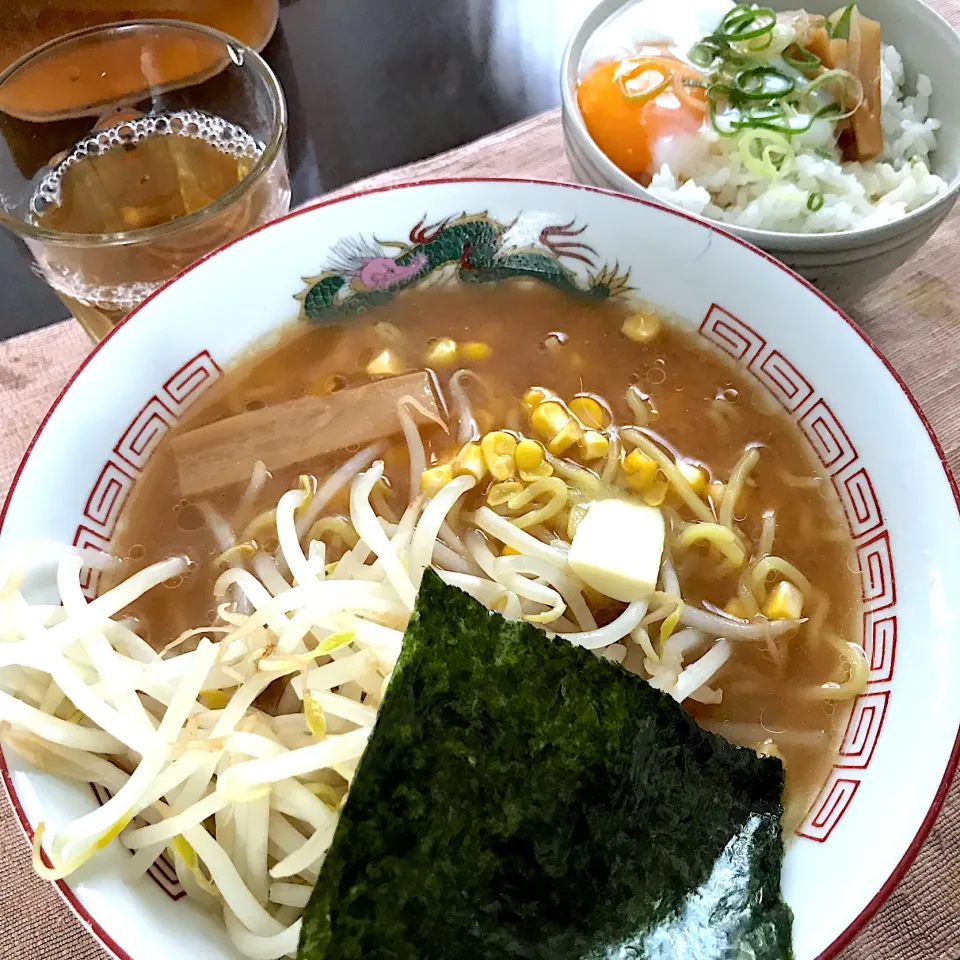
(475, 247)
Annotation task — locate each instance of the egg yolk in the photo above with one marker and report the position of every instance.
(627, 127)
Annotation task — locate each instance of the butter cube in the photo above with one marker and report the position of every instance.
(617, 549)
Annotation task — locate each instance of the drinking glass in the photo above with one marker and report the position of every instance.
(129, 150)
(28, 23)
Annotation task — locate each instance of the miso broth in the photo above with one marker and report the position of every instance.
(515, 337)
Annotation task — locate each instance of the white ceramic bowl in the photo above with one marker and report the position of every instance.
(900, 749)
(841, 264)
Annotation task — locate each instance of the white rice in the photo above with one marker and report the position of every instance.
(705, 175)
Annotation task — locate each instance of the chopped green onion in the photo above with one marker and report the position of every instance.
(761, 43)
(703, 53)
(856, 89)
(841, 29)
(745, 23)
(800, 58)
(717, 91)
(642, 87)
(643, 81)
(766, 153)
(728, 131)
(756, 100)
(763, 83)
(814, 202)
(766, 119)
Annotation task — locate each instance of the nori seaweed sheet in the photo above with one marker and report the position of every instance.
(521, 798)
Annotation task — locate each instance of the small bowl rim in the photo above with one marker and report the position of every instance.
(621, 182)
(856, 925)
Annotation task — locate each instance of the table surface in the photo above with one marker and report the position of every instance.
(914, 318)
(455, 70)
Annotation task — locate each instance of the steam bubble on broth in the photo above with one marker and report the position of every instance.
(288, 619)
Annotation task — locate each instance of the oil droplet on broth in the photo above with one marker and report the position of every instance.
(137, 552)
(190, 517)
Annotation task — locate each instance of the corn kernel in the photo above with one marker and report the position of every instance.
(389, 332)
(769, 748)
(569, 434)
(216, 699)
(470, 460)
(441, 352)
(385, 364)
(498, 453)
(529, 455)
(535, 396)
(656, 493)
(549, 418)
(476, 350)
(641, 469)
(434, 479)
(641, 327)
(500, 493)
(589, 412)
(736, 608)
(593, 445)
(509, 551)
(785, 602)
(537, 473)
(696, 476)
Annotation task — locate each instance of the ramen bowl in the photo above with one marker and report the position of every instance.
(899, 502)
(842, 264)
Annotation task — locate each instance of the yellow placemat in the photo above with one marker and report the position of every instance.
(914, 317)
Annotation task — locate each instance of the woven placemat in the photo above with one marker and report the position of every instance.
(914, 317)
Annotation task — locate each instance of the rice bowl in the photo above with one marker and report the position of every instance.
(842, 263)
(148, 363)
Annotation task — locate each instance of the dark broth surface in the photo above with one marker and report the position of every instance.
(539, 336)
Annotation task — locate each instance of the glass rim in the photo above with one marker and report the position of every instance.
(271, 149)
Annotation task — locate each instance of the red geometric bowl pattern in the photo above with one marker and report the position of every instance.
(163, 873)
(132, 452)
(841, 462)
(112, 487)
